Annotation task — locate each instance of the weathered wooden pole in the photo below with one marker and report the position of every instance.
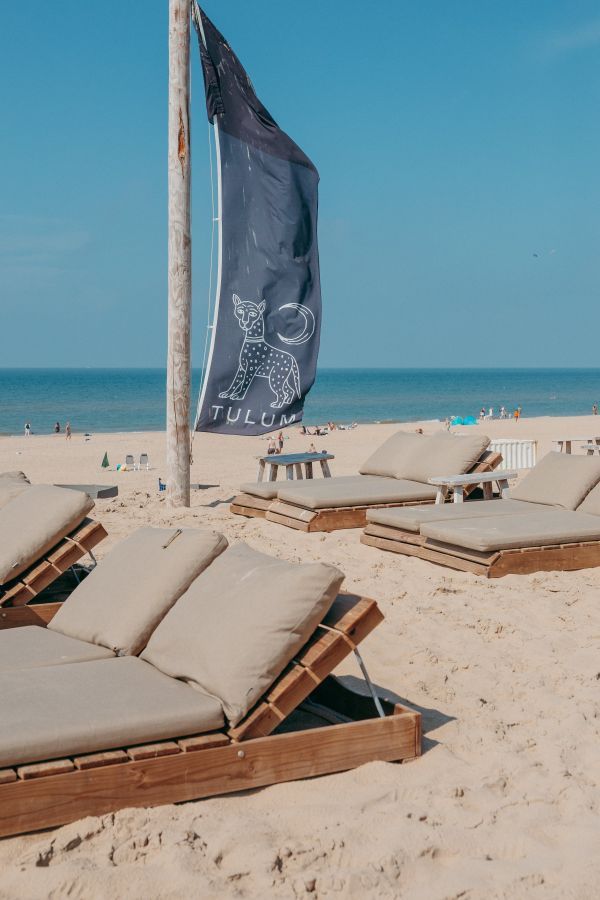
(180, 258)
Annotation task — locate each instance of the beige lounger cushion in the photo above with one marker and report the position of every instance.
(355, 490)
(34, 522)
(390, 459)
(410, 518)
(444, 454)
(125, 597)
(31, 646)
(86, 707)
(559, 479)
(267, 490)
(240, 623)
(591, 504)
(539, 529)
(11, 485)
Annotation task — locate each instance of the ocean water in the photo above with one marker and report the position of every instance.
(134, 399)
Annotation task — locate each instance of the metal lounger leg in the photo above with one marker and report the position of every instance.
(372, 690)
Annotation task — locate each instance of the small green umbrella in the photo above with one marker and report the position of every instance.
(105, 462)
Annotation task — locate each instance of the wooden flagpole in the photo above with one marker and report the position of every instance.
(180, 258)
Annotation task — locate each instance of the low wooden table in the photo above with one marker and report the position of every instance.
(565, 445)
(293, 463)
(459, 482)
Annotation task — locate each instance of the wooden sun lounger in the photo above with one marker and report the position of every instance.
(307, 724)
(309, 520)
(46, 570)
(492, 564)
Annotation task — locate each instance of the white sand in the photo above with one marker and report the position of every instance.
(503, 803)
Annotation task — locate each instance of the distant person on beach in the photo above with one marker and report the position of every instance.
(312, 449)
(27, 429)
(418, 430)
(272, 448)
(503, 413)
(68, 431)
(595, 409)
(517, 414)
(57, 428)
(280, 441)
(482, 412)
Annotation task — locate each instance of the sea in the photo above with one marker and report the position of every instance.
(104, 400)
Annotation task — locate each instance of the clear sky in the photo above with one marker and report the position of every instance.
(458, 146)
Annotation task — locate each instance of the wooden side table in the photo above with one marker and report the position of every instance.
(459, 482)
(293, 463)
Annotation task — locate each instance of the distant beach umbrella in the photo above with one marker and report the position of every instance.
(105, 462)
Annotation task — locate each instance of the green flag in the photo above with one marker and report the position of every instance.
(105, 462)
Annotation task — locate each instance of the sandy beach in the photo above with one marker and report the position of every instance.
(506, 797)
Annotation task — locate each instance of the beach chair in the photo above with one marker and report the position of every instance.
(144, 462)
(44, 531)
(394, 476)
(551, 522)
(116, 608)
(232, 692)
(130, 462)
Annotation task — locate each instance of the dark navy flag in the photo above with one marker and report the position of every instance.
(265, 339)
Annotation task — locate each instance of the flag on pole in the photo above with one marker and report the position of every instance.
(265, 336)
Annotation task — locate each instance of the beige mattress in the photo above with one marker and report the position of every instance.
(33, 522)
(47, 713)
(410, 518)
(355, 490)
(267, 490)
(32, 646)
(538, 529)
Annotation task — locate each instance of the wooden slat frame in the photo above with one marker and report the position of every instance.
(66, 790)
(67, 552)
(495, 564)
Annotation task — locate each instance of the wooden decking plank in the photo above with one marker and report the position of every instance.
(292, 511)
(484, 557)
(152, 751)
(247, 511)
(252, 502)
(45, 769)
(347, 610)
(94, 760)
(278, 519)
(394, 546)
(203, 742)
(7, 775)
(394, 534)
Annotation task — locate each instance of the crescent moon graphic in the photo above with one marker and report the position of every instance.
(309, 324)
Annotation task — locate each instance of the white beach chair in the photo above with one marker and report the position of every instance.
(144, 461)
(129, 461)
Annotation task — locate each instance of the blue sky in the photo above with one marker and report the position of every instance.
(458, 146)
